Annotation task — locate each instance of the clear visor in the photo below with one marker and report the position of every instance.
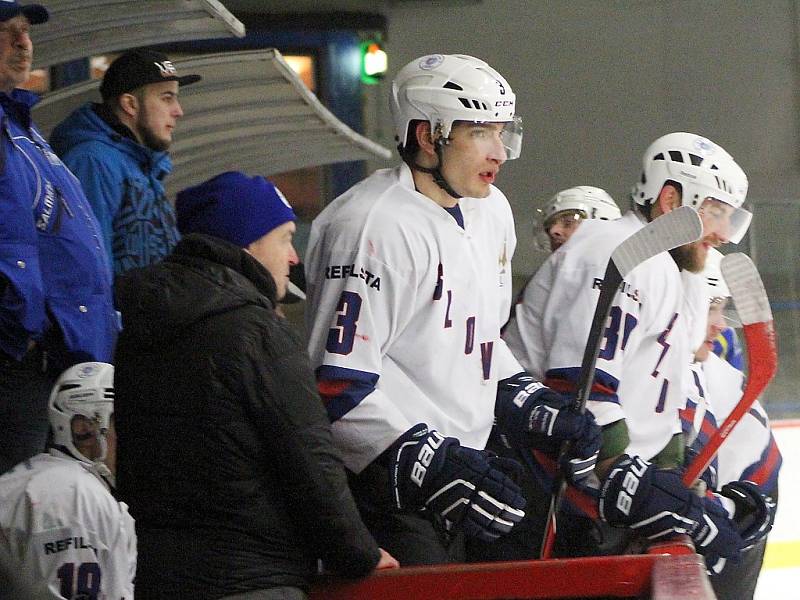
(511, 136)
(566, 222)
(726, 221)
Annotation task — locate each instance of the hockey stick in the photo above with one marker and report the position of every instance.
(752, 306)
(675, 228)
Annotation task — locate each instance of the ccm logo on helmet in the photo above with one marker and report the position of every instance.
(504, 103)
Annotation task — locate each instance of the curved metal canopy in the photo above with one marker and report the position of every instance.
(80, 28)
(250, 113)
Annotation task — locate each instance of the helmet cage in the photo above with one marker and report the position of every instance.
(84, 390)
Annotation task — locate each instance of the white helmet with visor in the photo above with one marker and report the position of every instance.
(444, 88)
(712, 183)
(580, 202)
(86, 391)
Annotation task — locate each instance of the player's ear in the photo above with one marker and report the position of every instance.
(668, 199)
(424, 138)
(129, 104)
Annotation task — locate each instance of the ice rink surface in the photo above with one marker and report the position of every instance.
(780, 577)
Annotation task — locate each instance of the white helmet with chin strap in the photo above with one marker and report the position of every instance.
(444, 88)
(87, 390)
(703, 169)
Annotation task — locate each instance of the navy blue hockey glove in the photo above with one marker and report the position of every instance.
(531, 415)
(708, 477)
(461, 485)
(755, 511)
(655, 503)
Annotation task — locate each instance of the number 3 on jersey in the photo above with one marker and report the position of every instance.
(342, 335)
(612, 333)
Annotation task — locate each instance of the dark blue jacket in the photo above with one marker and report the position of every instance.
(54, 270)
(123, 181)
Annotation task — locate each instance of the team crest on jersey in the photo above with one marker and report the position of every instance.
(502, 263)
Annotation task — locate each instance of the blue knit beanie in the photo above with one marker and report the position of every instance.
(234, 207)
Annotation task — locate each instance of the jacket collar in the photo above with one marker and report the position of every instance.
(18, 105)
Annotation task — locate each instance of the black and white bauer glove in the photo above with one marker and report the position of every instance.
(467, 488)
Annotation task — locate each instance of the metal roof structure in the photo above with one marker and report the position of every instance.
(251, 113)
(81, 28)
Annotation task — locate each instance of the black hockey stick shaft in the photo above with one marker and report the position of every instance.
(675, 228)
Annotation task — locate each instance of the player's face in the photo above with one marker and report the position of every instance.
(561, 226)
(716, 323)
(716, 218)
(473, 157)
(276, 253)
(158, 114)
(16, 53)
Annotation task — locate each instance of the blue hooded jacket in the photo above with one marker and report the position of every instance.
(54, 271)
(123, 181)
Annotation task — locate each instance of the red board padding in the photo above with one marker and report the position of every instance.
(630, 576)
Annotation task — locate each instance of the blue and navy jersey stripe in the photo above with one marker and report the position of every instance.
(343, 389)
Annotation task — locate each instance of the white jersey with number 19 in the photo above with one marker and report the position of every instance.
(404, 313)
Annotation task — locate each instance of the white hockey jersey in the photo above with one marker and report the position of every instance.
(750, 451)
(64, 532)
(643, 357)
(404, 313)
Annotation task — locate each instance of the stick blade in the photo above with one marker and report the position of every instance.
(675, 228)
(747, 289)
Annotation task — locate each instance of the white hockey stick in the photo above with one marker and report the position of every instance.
(752, 306)
(675, 228)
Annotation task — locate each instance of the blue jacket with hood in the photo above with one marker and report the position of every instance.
(55, 277)
(124, 183)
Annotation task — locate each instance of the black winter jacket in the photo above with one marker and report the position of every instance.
(225, 454)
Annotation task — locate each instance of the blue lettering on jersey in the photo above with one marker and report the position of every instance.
(624, 288)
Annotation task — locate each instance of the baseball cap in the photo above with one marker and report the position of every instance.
(233, 207)
(35, 13)
(136, 68)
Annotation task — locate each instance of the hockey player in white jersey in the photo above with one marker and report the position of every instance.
(409, 281)
(638, 385)
(559, 219)
(748, 461)
(62, 531)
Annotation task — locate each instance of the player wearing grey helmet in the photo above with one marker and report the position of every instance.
(61, 527)
(562, 214)
(409, 280)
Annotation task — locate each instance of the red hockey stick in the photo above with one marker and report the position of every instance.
(752, 306)
(675, 228)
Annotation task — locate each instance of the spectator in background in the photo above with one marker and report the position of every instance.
(225, 451)
(62, 533)
(118, 151)
(55, 285)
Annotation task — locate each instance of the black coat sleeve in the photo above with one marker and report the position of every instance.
(296, 432)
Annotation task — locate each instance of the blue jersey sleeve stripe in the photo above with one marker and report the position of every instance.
(343, 389)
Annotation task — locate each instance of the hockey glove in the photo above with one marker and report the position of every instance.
(432, 472)
(655, 503)
(754, 513)
(530, 415)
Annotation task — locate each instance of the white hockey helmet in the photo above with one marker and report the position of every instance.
(443, 88)
(703, 169)
(85, 389)
(712, 272)
(593, 202)
(585, 201)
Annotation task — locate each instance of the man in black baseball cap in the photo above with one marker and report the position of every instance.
(35, 13)
(118, 150)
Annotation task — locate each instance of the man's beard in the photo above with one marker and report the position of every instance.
(688, 257)
(150, 140)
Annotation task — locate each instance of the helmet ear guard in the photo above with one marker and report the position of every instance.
(84, 390)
